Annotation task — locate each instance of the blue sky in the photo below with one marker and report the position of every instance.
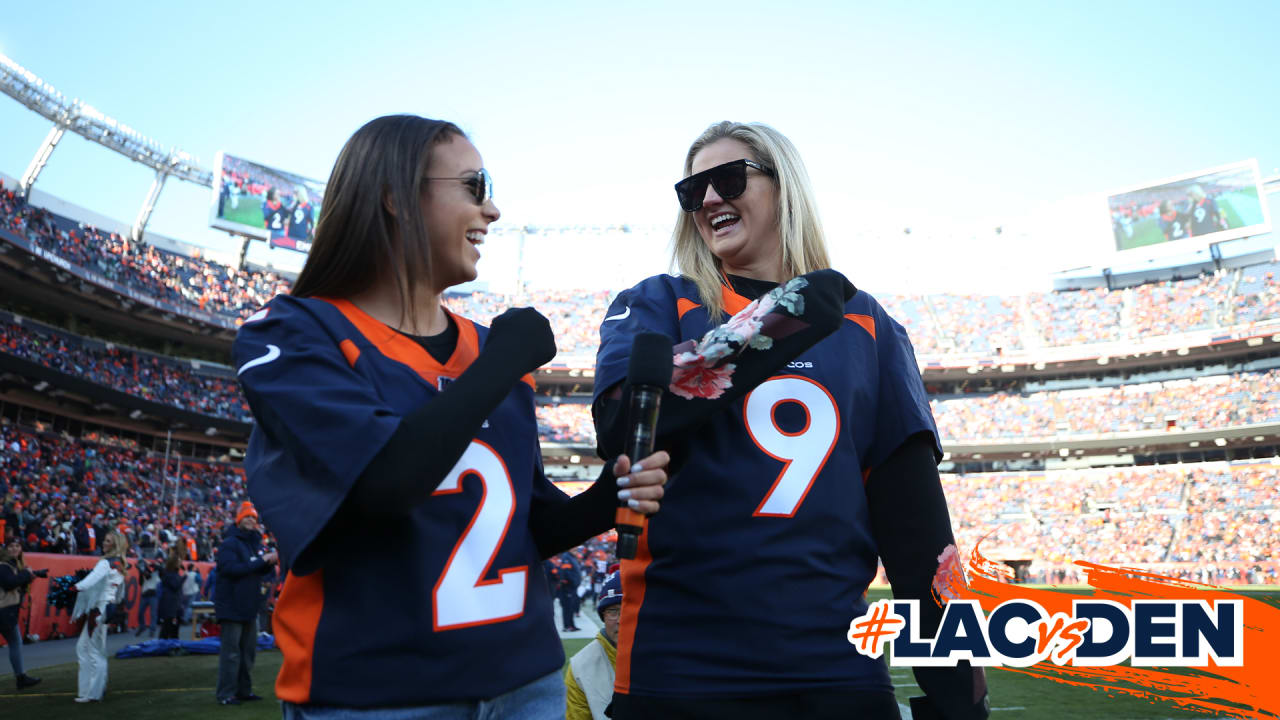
(939, 117)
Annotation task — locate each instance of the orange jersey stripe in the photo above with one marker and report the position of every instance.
(350, 352)
(632, 599)
(866, 322)
(297, 617)
(400, 348)
(733, 302)
(684, 305)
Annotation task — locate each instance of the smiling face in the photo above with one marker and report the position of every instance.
(742, 232)
(456, 225)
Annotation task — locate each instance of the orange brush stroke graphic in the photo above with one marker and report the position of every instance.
(1251, 690)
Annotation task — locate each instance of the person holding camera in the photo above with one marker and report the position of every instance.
(15, 578)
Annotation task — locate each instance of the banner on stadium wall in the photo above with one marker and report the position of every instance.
(265, 203)
(45, 620)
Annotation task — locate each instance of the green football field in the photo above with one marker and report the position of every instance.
(182, 686)
(247, 212)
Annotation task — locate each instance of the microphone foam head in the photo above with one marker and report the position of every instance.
(650, 360)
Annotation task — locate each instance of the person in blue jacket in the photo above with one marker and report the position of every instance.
(242, 562)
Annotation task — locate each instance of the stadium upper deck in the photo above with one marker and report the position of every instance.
(949, 330)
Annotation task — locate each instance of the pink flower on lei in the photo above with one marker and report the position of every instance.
(697, 381)
(949, 580)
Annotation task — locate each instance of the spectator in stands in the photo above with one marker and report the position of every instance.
(149, 584)
(749, 242)
(566, 589)
(15, 578)
(241, 565)
(170, 593)
(399, 393)
(589, 678)
(102, 586)
(190, 589)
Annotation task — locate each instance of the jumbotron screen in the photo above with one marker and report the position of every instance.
(1208, 206)
(265, 203)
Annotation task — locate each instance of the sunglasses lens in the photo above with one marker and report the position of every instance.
(483, 186)
(690, 192)
(730, 180)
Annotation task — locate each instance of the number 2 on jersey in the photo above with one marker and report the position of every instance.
(803, 452)
(462, 597)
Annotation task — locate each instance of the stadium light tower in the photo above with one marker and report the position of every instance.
(92, 124)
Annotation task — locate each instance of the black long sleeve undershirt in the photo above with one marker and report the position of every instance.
(911, 527)
(431, 439)
(429, 442)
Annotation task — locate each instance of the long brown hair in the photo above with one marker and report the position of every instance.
(370, 228)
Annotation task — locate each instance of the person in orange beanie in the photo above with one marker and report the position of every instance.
(242, 562)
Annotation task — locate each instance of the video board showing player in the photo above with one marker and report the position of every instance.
(265, 203)
(1208, 206)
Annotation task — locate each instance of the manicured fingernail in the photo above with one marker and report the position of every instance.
(633, 504)
(624, 481)
(637, 468)
(624, 494)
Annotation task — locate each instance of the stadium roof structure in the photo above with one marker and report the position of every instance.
(92, 124)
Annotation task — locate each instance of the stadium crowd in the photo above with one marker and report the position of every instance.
(1201, 403)
(60, 494)
(143, 375)
(1214, 516)
(938, 323)
(202, 284)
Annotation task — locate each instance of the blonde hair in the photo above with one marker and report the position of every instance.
(804, 246)
(120, 546)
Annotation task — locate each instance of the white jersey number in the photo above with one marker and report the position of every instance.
(462, 596)
(803, 452)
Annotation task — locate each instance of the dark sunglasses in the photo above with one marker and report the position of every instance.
(729, 180)
(481, 185)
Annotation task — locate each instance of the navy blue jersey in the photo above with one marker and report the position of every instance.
(301, 218)
(442, 604)
(274, 218)
(1173, 225)
(746, 580)
(1205, 218)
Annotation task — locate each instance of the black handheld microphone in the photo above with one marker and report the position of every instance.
(648, 374)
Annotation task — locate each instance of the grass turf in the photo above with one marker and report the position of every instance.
(167, 687)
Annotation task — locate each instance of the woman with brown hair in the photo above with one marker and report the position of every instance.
(385, 422)
(102, 586)
(170, 595)
(15, 578)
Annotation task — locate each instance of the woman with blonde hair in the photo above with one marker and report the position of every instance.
(804, 448)
(102, 586)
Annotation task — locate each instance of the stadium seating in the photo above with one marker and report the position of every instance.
(938, 324)
(147, 376)
(53, 485)
(1215, 516)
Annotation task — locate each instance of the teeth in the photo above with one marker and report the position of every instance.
(722, 219)
(475, 236)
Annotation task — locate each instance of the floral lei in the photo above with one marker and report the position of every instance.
(702, 369)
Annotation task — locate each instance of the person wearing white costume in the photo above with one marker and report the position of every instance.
(102, 586)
